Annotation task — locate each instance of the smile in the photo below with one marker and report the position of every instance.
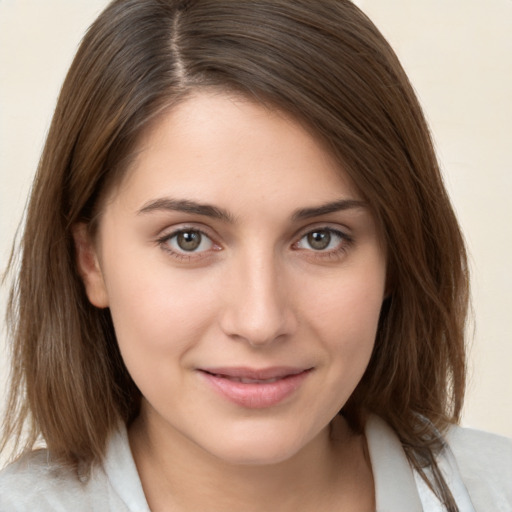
(255, 389)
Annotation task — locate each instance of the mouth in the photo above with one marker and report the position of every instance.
(255, 388)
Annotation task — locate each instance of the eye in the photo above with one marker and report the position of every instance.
(324, 240)
(188, 241)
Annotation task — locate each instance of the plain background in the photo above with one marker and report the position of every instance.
(458, 54)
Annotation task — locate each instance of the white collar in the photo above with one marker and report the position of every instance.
(397, 487)
(122, 473)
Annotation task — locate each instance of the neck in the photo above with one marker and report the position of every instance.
(327, 474)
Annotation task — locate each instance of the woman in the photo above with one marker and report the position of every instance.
(241, 276)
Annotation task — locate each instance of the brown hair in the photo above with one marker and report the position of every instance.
(327, 65)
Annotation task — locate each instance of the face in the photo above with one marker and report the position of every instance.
(244, 275)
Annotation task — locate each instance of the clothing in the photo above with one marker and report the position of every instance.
(477, 467)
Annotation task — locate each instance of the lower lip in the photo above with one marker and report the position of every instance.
(256, 395)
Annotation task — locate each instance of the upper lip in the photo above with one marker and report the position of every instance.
(242, 372)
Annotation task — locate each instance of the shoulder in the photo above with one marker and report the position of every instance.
(485, 465)
(34, 482)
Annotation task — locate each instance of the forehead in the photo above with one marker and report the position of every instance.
(218, 147)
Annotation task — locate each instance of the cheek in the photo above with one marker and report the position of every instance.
(157, 326)
(345, 317)
(351, 308)
(155, 309)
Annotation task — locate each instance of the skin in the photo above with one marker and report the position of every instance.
(259, 291)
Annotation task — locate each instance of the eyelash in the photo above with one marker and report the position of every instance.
(345, 241)
(164, 240)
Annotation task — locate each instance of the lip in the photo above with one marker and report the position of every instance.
(255, 388)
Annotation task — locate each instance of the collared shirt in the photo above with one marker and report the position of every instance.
(476, 465)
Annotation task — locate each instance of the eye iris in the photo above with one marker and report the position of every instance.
(319, 240)
(188, 240)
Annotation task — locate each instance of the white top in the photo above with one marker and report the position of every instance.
(477, 467)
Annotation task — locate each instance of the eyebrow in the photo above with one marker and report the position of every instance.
(214, 212)
(186, 206)
(335, 206)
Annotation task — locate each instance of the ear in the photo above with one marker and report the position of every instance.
(89, 267)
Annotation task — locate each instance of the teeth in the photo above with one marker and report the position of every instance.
(249, 381)
(257, 381)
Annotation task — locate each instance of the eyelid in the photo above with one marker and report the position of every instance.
(343, 231)
(171, 232)
(346, 241)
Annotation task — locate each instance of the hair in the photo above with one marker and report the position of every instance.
(325, 64)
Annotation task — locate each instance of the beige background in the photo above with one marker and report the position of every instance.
(458, 54)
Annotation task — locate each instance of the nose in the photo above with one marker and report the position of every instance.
(258, 306)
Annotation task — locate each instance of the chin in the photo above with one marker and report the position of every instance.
(261, 455)
(257, 447)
